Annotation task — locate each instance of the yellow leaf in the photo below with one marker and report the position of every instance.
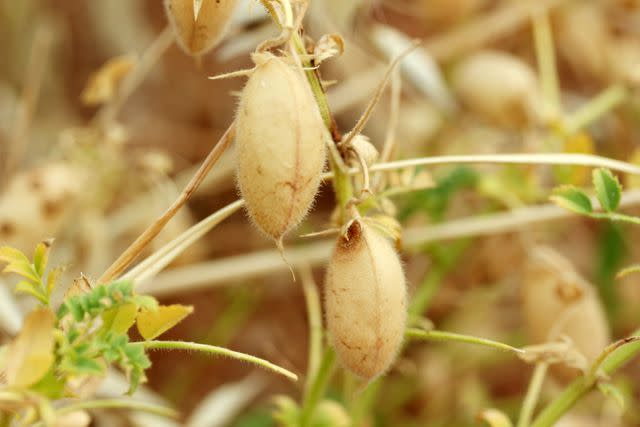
(120, 319)
(31, 355)
(494, 418)
(154, 323)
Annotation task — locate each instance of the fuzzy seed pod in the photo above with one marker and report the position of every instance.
(365, 301)
(497, 86)
(197, 32)
(557, 302)
(280, 148)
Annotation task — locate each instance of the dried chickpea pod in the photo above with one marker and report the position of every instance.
(36, 203)
(497, 86)
(200, 30)
(280, 146)
(558, 302)
(365, 301)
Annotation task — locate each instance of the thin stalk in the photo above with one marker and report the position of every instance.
(130, 254)
(152, 265)
(149, 59)
(565, 401)
(317, 390)
(572, 159)
(34, 74)
(425, 292)
(615, 216)
(218, 351)
(545, 53)
(119, 404)
(414, 333)
(314, 312)
(533, 393)
(595, 108)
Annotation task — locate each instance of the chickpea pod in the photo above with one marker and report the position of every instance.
(365, 301)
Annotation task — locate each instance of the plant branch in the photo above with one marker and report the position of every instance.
(414, 333)
(533, 393)
(119, 404)
(218, 351)
(130, 254)
(258, 263)
(595, 108)
(152, 265)
(613, 360)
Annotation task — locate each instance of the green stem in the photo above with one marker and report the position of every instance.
(533, 392)
(615, 216)
(119, 404)
(316, 391)
(556, 409)
(415, 333)
(341, 180)
(314, 312)
(218, 351)
(595, 108)
(425, 292)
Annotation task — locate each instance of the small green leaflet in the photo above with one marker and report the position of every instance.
(573, 199)
(608, 189)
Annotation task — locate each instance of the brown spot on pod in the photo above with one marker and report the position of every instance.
(197, 34)
(365, 301)
(280, 147)
(558, 302)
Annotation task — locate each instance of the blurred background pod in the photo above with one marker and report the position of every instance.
(558, 302)
(199, 25)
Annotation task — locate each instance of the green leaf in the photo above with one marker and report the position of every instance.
(18, 263)
(573, 199)
(613, 392)
(41, 256)
(154, 323)
(85, 365)
(608, 189)
(51, 385)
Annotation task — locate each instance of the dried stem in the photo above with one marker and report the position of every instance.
(130, 83)
(130, 254)
(119, 404)
(27, 105)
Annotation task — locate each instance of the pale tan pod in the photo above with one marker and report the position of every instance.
(36, 203)
(497, 86)
(365, 301)
(557, 301)
(280, 148)
(197, 36)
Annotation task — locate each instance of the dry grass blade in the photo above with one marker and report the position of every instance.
(129, 255)
(169, 252)
(26, 108)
